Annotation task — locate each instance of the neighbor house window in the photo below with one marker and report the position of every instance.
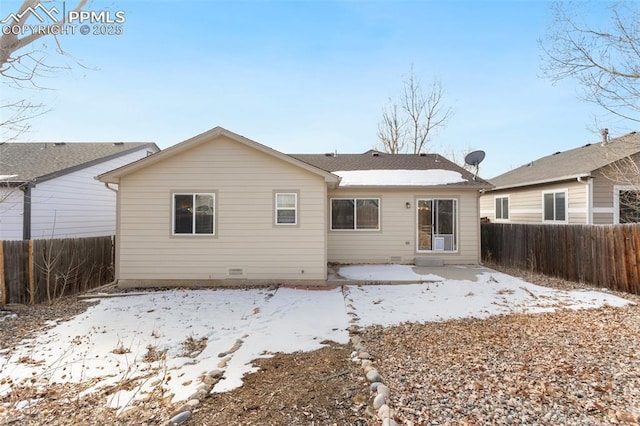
(355, 214)
(629, 206)
(502, 208)
(193, 214)
(286, 208)
(555, 206)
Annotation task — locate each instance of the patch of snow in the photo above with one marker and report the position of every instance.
(399, 177)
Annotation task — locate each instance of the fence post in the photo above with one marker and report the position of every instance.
(3, 285)
(32, 287)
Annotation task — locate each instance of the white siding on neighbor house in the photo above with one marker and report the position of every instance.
(11, 213)
(77, 205)
(525, 204)
(244, 180)
(395, 242)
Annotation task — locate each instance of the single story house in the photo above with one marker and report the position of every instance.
(598, 183)
(220, 206)
(48, 190)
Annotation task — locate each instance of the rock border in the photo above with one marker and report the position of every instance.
(380, 393)
(209, 380)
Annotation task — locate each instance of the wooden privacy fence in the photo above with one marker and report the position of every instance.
(601, 255)
(44, 270)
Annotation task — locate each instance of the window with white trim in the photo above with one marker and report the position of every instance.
(193, 214)
(554, 206)
(502, 208)
(355, 214)
(286, 208)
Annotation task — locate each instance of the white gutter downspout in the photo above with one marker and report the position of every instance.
(589, 198)
(106, 185)
(116, 272)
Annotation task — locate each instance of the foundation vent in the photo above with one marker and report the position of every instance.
(395, 259)
(235, 272)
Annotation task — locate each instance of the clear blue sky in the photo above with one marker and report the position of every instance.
(313, 76)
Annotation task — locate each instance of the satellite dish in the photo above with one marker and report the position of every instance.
(474, 159)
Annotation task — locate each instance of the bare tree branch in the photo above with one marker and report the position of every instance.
(604, 61)
(422, 114)
(390, 130)
(21, 64)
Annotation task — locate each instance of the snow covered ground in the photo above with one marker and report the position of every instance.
(196, 329)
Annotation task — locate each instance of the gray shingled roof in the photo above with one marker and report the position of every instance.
(31, 161)
(577, 162)
(374, 160)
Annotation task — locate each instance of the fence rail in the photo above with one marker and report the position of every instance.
(601, 255)
(43, 270)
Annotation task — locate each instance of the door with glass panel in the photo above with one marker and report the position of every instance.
(437, 224)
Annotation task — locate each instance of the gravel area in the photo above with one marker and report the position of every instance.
(19, 322)
(568, 367)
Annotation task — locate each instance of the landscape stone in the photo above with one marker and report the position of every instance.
(216, 373)
(384, 411)
(176, 420)
(374, 386)
(373, 376)
(384, 390)
(379, 401)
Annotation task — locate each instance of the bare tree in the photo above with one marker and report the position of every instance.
(21, 62)
(605, 60)
(421, 115)
(390, 130)
(623, 173)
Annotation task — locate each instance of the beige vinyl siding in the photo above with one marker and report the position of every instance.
(397, 235)
(622, 173)
(602, 199)
(243, 180)
(525, 204)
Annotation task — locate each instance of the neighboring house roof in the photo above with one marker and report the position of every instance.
(25, 162)
(114, 175)
(374, 168)
(571, 164)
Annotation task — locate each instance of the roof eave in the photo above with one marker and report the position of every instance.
(543, 181)
(413, 187)
(58, 173)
